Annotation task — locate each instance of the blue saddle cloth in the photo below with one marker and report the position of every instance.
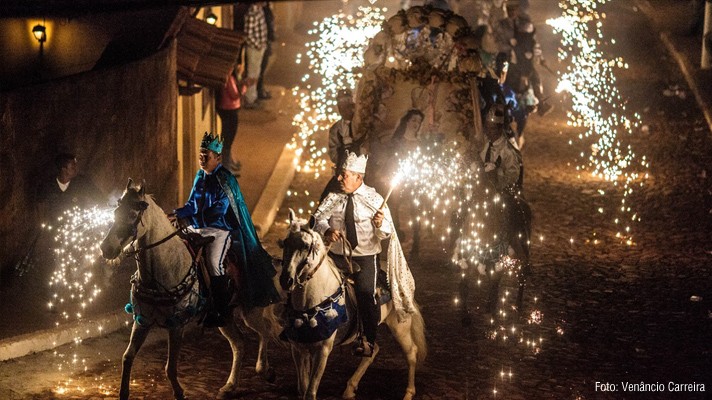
(317, 323)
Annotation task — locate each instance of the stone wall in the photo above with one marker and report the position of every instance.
(120, 121)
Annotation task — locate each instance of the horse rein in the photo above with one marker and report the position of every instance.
(152, 245)
(310, 274)
(179, 290)
(139, 220)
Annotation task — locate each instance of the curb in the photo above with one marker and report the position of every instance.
(685, 68)
(273, 194)
(689, 78)
(47, 339)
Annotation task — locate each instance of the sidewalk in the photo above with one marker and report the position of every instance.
(671, 18)
(267, 171)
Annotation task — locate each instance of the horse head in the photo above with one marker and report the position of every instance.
(127, 225)
(302, 251)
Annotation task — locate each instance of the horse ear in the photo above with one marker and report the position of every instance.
(142, 189)
(293, 222)
(130, 184)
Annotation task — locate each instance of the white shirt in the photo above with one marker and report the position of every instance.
(507, 159)
(63, 186)
(330, 214)
(339, 134)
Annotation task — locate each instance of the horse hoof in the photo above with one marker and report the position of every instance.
(349, 394)
(269, 375)
(224, 394)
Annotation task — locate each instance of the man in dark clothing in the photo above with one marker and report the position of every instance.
(66, 190)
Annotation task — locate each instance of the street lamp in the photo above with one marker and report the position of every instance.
(211, 18)
(40, 33)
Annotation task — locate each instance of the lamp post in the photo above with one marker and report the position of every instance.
(39, 31)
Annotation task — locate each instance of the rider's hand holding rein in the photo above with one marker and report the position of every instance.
(178, 223)
(331, 236)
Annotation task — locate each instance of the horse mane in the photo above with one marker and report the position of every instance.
(151, 200)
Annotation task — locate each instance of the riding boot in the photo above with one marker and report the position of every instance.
(219, 308)
(370, 314)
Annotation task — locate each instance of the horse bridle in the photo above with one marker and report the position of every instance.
(310, 274)
(177, 292)
(142, 206)
(303, 275)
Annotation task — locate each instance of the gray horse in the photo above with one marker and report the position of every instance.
(165, 291)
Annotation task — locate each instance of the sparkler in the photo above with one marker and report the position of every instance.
(394, 182)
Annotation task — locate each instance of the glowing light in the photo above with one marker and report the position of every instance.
(597, 106)
(77, 236)
(334, 58)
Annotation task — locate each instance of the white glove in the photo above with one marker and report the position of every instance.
(489, 167)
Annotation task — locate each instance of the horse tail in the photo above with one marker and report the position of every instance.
(264, 321)
(417, 331)
(272, 321)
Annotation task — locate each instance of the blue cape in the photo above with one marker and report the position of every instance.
(256, 287)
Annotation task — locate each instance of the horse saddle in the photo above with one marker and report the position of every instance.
(196, 243)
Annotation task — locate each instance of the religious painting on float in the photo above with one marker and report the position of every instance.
(420, 85)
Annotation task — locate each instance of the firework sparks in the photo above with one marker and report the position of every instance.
(77, 235)
(597, 106)
(334, 59)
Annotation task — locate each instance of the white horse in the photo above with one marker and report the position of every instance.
(316, 286)
(165, 291)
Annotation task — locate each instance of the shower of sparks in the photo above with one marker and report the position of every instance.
(451, 200)
(597, 106)
(334, 59)
(77, 235)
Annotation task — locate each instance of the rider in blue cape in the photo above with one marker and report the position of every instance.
(216, 208)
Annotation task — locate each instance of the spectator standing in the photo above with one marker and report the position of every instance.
(262, 93)
(341, 139)
(66, 189)
(256, 32)
(228, 102)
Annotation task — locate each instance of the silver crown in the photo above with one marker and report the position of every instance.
(355, 163)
